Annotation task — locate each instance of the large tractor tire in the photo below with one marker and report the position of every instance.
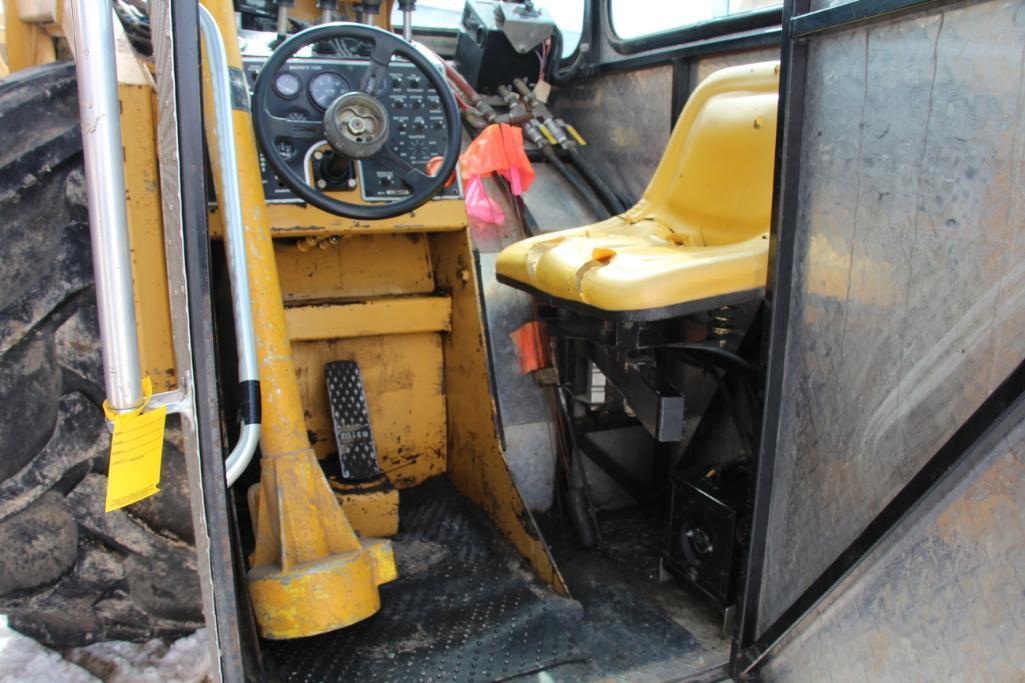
(70, 574)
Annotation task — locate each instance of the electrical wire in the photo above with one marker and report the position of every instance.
(542, 56)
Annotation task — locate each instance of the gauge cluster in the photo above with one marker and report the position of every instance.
(306, 86)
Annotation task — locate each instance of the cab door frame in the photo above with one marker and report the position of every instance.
(987, 425)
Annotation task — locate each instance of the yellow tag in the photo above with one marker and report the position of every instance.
(548, 134)
(135, 452)
(542, 90)
(576, 135)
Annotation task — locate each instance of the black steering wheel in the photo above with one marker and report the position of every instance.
(357, 124)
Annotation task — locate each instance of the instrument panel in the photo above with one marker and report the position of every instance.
(306, 86)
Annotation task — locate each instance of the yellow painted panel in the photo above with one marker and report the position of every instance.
(145, 220)
(369, 318)
(301, 220)
(294, 220)
(476, 460)
(27, 44)
(310, 572)
(355, 267)
(402, 375)
(372, 509)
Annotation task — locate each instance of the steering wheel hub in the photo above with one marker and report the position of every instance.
(356, 125)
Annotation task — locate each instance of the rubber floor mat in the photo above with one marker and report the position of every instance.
(466, 607)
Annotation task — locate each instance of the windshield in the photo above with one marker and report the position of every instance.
(567, 14)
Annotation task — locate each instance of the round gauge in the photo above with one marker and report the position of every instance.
(296, 115)
(326, 87)
(287, 85)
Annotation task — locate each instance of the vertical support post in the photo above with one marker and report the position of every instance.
(310, 572)
(186, 243)
(105, 184)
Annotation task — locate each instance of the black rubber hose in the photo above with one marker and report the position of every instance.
(554, 71)
(585, 192)
(721, 357)
(608, 197)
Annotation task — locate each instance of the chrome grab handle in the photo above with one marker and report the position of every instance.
(235, 243)
(100, 112)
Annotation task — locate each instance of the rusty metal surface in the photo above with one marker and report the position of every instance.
(625, 118)
(909, 283)
(945, 601)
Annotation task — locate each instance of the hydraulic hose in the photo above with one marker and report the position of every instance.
(532, 131)
(557, 131)
(585, 192)
(461, 83)
(606, 194)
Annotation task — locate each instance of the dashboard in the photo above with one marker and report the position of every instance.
(305, 86)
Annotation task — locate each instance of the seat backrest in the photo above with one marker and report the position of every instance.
(715, 175)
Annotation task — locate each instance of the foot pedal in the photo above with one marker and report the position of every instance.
(357, 454)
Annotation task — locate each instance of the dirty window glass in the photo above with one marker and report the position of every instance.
(567, 14)
(637, 18)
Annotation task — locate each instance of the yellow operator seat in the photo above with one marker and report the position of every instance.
(697, 239)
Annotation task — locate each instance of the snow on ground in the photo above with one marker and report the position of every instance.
(23, 660)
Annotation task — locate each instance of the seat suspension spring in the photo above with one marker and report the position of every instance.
(722, 325)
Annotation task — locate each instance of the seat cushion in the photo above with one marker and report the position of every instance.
(617, 265)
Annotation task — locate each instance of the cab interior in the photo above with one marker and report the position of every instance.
(563, 401)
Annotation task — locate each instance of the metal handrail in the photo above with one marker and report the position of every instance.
(235, 247)
(100, 112)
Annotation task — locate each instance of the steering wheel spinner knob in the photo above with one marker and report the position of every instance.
(356, 125)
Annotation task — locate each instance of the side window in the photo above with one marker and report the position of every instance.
(633, 19)
(569, 17)
(567, 14)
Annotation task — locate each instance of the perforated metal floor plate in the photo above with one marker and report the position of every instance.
(357, 454)
(465, 608)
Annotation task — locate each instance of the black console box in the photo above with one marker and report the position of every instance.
(706, 531)
(484, 54)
